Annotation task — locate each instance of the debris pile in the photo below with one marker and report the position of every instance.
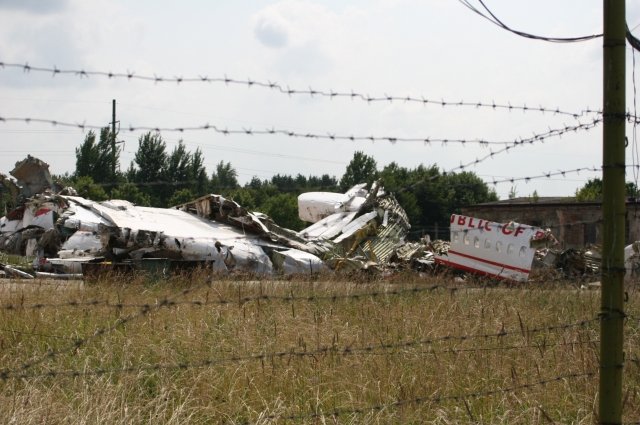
(362, 229)
(65, 233)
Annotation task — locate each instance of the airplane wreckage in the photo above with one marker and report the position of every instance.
(364, 228)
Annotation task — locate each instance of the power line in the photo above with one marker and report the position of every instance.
(635, 42)
(491, 17)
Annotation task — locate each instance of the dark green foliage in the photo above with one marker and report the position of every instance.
(181, 196)
(592, 190)
(430, 197)
(225, 178)
(131, 193)
(151, 171)
(283, 209)
(198, 174)
(87, 188)
(179, 167)
(95, 159)
(361, 169)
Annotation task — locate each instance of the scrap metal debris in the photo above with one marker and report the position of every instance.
(362, 229)
(67, 234)
(498, 250)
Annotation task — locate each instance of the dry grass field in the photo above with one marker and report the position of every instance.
(195, 350)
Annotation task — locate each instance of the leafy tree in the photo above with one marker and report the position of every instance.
(429, 197)
(325, 183)
(534, 196)
(181, 196)
(592, 190)
(151, 170)
(95, 158)
(361, 169)
(224, 178)
(468, 189)
(131, 193)
(245, 196)
(255, 183)
(284, 183)
(179, 166)
(283, 209)
(87, 188)
(301, 182)
(198, 173)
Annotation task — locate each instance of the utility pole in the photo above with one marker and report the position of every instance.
(613, 211)
(113, 140)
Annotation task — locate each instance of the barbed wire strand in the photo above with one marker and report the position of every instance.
(22, 374)
(240, 300)
(286, 90)
(536, 138)
(431, 399)
(100, 332)
(318, 136)
(506, 149)
(17, 332)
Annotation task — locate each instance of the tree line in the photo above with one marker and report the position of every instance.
(161, 178)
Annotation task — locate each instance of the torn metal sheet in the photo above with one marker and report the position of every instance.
(33, 176)
(362, 238)
(499, 250)
(14, 272)
(293, 261)
(632, 260)
(315, 206)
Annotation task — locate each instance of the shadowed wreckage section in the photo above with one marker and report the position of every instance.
(362, 229)
(355, 230)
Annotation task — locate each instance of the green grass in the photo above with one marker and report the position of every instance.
(24, 263)
(237, 351)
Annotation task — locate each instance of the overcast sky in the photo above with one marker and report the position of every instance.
(434, 49)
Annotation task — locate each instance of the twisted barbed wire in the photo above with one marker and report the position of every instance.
(531, 140)
(319, 136)
(335, 413)
(226, 301)
(79, 342)
(286, 90)
(21, 373)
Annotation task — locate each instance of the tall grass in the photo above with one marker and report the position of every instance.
(261, 351)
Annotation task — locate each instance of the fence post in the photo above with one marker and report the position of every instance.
(613, 211)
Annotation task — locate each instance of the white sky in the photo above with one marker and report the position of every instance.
(435, 49)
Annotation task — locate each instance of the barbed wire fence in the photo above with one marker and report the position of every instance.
(26, 370)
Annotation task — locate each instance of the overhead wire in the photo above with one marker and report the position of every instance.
(633, 40)
(491, 17)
